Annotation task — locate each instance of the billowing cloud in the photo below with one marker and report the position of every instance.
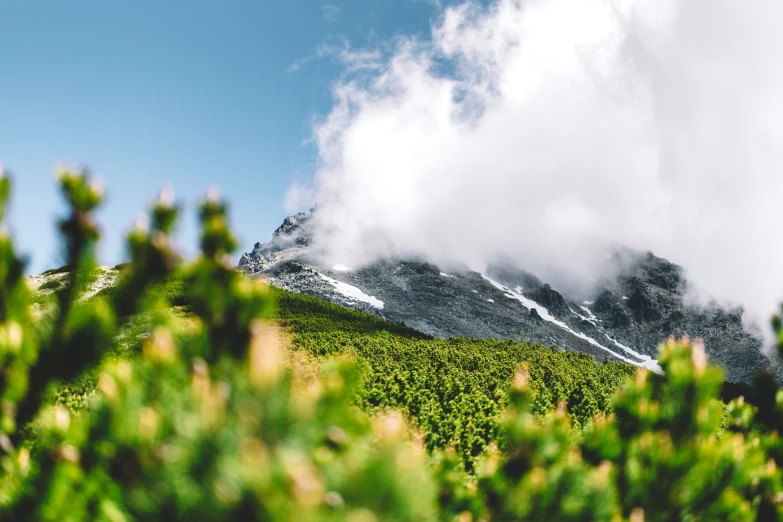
(549, 129)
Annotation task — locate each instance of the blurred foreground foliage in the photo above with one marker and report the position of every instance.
(235, 410)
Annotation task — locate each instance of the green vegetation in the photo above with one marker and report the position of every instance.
(52, 284)
(454, 390)
(54, 271)
(240, 403)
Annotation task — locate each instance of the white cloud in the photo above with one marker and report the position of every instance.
(297, 197)
(331, 13)
(339, 50)
(543, 128)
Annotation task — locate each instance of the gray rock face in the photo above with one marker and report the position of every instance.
(626, 320)
(291, 225)
(552, 301)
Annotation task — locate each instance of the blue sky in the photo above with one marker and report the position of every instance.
(193, 93)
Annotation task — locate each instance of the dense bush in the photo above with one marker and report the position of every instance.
(215, 419)
(207, 423)
(454, 390)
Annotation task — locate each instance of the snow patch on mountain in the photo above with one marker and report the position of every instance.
(583, 318)
(637, 358)
(353, 293)
(646, 358)
(590, 315)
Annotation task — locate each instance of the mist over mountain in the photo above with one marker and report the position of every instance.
(556, 132)
(623, 318)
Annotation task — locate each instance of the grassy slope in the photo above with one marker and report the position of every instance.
(454, 390)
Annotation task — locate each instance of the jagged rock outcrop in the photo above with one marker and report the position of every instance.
(644, 305)
(551, 300)
(291, 225)
(611, 310)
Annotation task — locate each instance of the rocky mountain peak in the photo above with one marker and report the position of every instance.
(291, 224)
(294, 233)
(634, 310)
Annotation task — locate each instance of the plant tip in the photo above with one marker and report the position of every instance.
(97, 185)
(142, 223)
(213, 194)
(166, 196)
(62, 170)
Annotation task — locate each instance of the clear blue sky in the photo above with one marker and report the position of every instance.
(194, 93)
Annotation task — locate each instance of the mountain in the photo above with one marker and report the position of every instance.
(624, 320)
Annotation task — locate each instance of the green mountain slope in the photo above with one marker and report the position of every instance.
(453, 390)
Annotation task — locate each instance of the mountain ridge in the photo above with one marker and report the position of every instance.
(625, 320)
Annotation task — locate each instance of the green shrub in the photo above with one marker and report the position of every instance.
(52, 284)
(61, 270)
(208, 420)
(207, 423)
